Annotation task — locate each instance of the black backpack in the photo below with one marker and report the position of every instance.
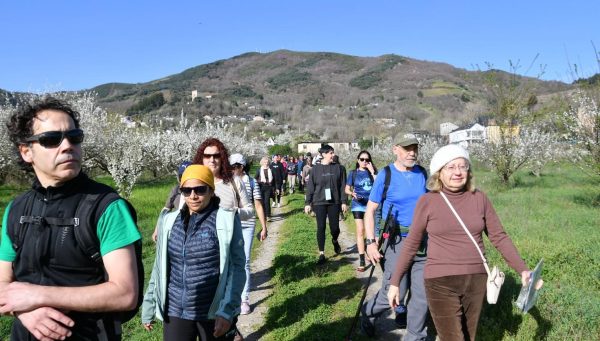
(85, 235)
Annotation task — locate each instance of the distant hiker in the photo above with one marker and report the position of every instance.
(306, 170)
(325, 196)
(455, 278)
(279, 177)
(402, 183)
(358, 185)
(198, 272)
(174, 200)
(264, 177)
(69, 265)
(239, 164)
(291, 170)
(299, 166)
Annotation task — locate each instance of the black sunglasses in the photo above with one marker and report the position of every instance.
(208, 156)
(199, 190)
(363, 159)
(53, 139)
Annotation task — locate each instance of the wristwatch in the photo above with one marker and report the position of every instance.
(369, 241)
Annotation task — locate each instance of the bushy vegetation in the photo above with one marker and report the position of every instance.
(241, 91)
(147, 104)
(375, 75)
(289, 77)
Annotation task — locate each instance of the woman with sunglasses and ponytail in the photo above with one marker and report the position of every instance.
(358, 185)
(198, 273)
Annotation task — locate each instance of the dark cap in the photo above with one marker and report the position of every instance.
(405, 139)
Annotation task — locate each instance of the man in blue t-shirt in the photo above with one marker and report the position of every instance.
(407, 184)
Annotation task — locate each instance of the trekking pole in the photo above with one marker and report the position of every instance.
(385, 233)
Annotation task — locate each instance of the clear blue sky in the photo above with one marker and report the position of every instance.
(75, 45)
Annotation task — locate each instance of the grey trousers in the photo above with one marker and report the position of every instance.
(417, 300)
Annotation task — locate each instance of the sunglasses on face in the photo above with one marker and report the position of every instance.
(364, 159)
(214, 156)
(53, 139)
(199, 190)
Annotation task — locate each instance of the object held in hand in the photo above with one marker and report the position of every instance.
(529, 293)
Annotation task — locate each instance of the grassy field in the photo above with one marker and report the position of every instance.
(555, 217)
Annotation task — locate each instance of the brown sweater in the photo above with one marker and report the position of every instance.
(450, 251)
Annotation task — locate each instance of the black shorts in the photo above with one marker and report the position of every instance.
(358, 214)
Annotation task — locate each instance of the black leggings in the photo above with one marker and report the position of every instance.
(176, 329)
(323, 212)
(265, 198)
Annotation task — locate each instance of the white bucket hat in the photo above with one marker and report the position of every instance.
(445, 155)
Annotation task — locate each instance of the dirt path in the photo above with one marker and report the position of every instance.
(250, 325)
(386, 328)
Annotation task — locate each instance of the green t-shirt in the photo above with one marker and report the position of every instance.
(116, 229)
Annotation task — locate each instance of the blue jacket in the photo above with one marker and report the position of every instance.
(226, 303)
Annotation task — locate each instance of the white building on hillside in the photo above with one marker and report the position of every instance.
(467, 135)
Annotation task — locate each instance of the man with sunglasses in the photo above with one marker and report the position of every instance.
(52, 286)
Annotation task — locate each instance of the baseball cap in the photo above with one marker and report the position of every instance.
(237, 158)
(405, 139)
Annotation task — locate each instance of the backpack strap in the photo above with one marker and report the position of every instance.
(15, 232)
(87, 239)
(386, 183)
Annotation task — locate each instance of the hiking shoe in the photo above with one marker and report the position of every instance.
(321, 259)
(238, 336)
(400, 319)
(336, 247)
(366, 326)
(245, 308)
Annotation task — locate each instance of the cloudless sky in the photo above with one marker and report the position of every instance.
(74, 45)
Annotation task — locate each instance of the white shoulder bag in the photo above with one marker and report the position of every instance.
(495, 277)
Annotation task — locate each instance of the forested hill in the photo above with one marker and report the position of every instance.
(308, 91)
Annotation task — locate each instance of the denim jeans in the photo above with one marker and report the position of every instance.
(248, 234)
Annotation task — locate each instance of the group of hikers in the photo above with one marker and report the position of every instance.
(70, 248)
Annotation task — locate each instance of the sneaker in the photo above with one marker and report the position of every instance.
(278, 204)
(336, 247)
(273, 204)
(321, 259)
(269, 219)
(361, 267)
(245, 308)
(366, 326)
(400, 319)
(238, 336)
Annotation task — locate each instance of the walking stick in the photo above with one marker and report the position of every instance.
(389, 228)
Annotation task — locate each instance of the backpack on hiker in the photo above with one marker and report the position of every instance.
(89, 209)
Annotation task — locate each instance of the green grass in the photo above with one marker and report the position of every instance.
(440, 88)
(307, 300)
(555, 217)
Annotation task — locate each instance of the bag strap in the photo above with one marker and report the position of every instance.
(487, 269)
(386, 183)
(238, 197)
